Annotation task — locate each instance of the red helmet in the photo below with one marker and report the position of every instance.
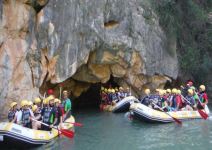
(190, 83)
(50, 92)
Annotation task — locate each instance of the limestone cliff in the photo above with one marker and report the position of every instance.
(84, 41)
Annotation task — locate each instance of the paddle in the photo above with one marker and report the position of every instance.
(175, 119)
(75, 124)
(202, 113)
(67, 133)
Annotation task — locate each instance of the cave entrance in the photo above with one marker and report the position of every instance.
(92, 98)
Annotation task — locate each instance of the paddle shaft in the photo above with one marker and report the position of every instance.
(75, 123)
(175, 119)
(44, 123)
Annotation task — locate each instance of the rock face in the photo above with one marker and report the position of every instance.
(87, 41)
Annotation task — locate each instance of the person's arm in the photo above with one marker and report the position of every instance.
(165, 105)
(31, 113)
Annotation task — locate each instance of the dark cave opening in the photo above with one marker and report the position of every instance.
(90, 98)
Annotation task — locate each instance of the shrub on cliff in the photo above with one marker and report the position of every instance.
(188, 22)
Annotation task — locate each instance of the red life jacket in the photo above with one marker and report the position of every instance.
(179, 100)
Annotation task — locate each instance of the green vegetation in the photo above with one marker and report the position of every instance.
(187, 21)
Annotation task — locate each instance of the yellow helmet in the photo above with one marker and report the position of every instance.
(116, 89)
(13, 104)
(147, 91)
(113, 91)
(30, 103)
(164, 92)
(157, 90)
(102, 88)
(24, 103)
(168, 91)
(51, 97)
(106, 90)
(190, 91)
(34, 107)
(37, 100)
(161, 92)
(174, 91)
(178, 91)
(202, 87)
(56, 100)
(109, 90)
(120, 88)
(45, 101)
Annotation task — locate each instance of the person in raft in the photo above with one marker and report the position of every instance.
(12, 112)
(66, 103)
(146, 99)
(203, 97)
(58, 111)
(189, 101)
(48, 114)
(37, 102)
(26, 114)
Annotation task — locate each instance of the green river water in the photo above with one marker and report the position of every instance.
(109, 131)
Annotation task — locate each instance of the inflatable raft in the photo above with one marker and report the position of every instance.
(124, 104)
(144, 113)
(11, 133)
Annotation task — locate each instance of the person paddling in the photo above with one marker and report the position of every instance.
(203, 97)
(48, 114)
(189, 101)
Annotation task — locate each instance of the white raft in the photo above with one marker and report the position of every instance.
(124, 104)
(11, 133)
(147, 114)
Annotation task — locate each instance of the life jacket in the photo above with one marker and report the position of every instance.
(179, 101)
(48, 116)
(174, 101)
(190, 99)
(11, 115)
(25, 117)
(114, 97)
(202, 96)
(146, 100)
(154, 97)
(110, 97)
(160, 102)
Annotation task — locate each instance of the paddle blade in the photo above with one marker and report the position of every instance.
(203, 114)
(67, 133)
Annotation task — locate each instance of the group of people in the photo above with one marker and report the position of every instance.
(35, 114)
(110, 96)
(186, 98)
